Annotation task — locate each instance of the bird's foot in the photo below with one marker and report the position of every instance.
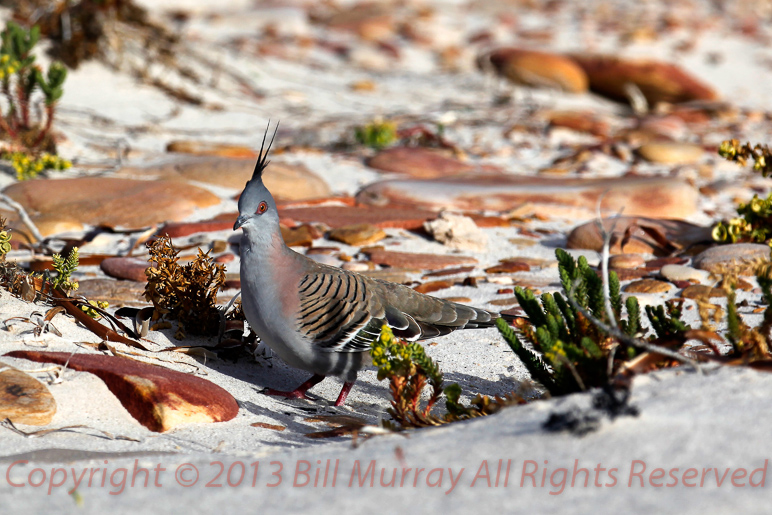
(300, 391)
(294, 394)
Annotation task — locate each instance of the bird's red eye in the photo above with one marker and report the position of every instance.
(262, 208)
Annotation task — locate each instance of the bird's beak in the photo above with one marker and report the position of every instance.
(241, 220)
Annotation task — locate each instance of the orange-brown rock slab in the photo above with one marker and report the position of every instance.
(24, 399)
(536, 69)
(108, 202)
(665, 197)
(159, 398)
(657, 81)
(645, 235)
(423, 163)
(416, 260)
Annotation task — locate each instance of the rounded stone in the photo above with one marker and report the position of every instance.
(129, 268)
(714, 258)
(683, 273)
(670, 153)
(109, 202)
(648, 286)
(626, 261)
(536, 69)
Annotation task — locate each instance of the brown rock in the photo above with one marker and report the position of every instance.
(536, 69)
(208, 148)
(225, 258)
(396, 275)
(341, 216)
(449, 271)
(701, 291)
(660, 262)
(357, 234)
(159, 398)
(648, 286)
(677, 234)
(129, 268)
(417, 261)
(371, 21)
(509, 301)
(300, 236)
(568, 197)
(423, 163)
(460, 300)
(670, 127)
(24, 399)
(671, 153)
(579, 122)
(433, 286)
(109, 202)
(181, 229)
(659, 82)
(284, 180)
(625, 261)
(322, 250)
(508, 267)
(532, 262)
(116, 293)
(627, 274)
(714, 258)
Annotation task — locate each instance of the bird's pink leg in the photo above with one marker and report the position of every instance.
(300, 391)
(344, 393)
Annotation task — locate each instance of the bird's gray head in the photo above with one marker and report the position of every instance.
(256, 205)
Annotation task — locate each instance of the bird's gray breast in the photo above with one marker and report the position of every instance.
(271, 305)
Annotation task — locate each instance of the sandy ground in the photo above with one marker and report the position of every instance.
(687, 420)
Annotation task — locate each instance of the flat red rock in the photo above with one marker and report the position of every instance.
(657, 81)
(424, 163)
(109, 202)
(159, 398)
(568, 197)
(341, 216)
(433, 286)
(129, 268)
(284, 180)
(509, 267)
(646, 235)
(24, 399)
(417, 261)
(536, 69)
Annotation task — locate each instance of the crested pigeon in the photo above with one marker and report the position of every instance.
(320, 318)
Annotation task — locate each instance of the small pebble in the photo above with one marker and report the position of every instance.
(648, 286)
(504, 280)
(684, 273)
(626, 261)
(356, 266)
(664, 152)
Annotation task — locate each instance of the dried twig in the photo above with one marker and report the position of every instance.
(66, 429)
(23, 216)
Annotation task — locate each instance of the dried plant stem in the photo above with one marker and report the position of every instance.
(26, 220)
(605, 258)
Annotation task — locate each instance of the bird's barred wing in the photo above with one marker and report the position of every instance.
(344, 312)
(335, 312)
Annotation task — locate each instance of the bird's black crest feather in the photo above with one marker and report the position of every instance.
(262, 159)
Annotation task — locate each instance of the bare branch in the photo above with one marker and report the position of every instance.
(23, 216)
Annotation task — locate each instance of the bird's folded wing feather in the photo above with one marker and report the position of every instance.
(344, 312)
